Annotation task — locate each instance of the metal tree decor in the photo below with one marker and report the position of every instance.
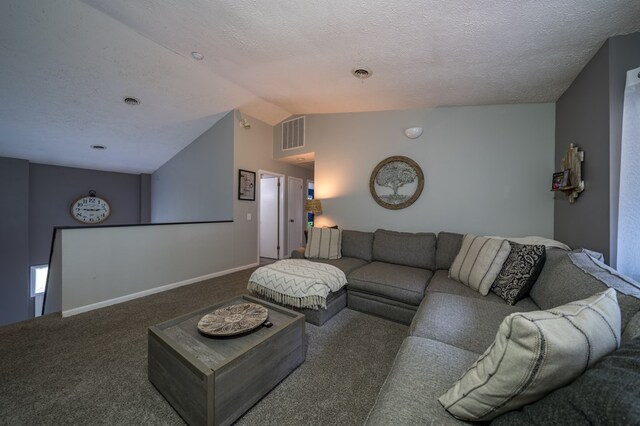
(396, 182)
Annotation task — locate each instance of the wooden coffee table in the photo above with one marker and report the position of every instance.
(213, 381)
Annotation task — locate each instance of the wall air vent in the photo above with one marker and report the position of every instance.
(293, 133)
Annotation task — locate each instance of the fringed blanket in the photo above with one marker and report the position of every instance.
(298, 283)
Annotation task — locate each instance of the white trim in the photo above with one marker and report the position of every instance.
(103, 304)
(283, 215)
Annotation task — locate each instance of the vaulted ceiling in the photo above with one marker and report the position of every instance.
(66, 65)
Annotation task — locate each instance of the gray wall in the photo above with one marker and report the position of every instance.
(145, 198)
(582, 118)
(14, 248)
(197, 183)
(38, 199)
(52, 189)
(589, 114)
(254, 151)
(487, 168)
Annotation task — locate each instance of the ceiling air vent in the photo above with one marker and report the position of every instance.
(293, 133)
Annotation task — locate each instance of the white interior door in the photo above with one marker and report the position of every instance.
(294, 210)
(269, 217)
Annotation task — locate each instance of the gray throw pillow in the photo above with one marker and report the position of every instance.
(519, 272)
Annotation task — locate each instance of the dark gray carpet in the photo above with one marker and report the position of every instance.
(92, 368)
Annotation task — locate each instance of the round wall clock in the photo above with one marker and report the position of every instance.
(396, 182)
(90, 209)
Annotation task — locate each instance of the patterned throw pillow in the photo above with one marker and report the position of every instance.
(479, 261)
(324, 243)
(519, 272)
(535, 353)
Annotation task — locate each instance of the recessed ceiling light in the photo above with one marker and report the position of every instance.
(98, 147)
(197, 56)
(300, 159)
(361, 73)
(130, 100)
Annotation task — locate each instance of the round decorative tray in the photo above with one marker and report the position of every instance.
(233, 319)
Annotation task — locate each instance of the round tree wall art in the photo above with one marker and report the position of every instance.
(396, 182)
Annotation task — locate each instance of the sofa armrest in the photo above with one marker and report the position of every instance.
(298, 253)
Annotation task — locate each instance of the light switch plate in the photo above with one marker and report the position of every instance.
(248, 216)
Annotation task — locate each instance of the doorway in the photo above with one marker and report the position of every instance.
(271, 215)
(296, 222)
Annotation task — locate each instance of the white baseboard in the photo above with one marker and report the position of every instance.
(105, 303)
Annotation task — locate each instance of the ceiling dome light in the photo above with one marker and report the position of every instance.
(361, 73)
(98, 147)
(197, 56)
(130, 100)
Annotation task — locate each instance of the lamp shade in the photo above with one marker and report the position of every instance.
(313, 206)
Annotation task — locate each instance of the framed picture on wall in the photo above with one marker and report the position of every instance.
(246, 185)
(560, 180)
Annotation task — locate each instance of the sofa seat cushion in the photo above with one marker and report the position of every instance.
(421, 372)
(404, 248)
(345, 264)
(441, 283)
(527, 304)
(465, 322)
(381, 306)
(402, 283)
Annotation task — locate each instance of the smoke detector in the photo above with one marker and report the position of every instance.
(361, 73)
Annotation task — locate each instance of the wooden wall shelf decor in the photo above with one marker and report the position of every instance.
(572, 162)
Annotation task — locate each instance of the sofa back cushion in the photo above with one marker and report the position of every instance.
(357, 244)
(404, 248)
(561, 281)
(447, 249)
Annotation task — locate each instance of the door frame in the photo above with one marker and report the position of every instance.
(302, 216)
(282, 218)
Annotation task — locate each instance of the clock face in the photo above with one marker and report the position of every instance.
(90, 209)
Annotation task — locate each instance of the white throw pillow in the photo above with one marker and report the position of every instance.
(535, 353)
(324, 243)
(479, 262)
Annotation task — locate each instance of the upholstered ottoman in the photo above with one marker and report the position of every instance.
(314, 289)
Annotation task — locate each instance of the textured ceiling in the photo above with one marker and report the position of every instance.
(65, 65)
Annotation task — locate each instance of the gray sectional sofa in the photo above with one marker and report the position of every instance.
(404, 277)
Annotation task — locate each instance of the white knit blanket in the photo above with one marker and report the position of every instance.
(296, 282)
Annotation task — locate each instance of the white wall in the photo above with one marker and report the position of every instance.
(196, 184)
(253, 150)
(103, 266)
(487, 168)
